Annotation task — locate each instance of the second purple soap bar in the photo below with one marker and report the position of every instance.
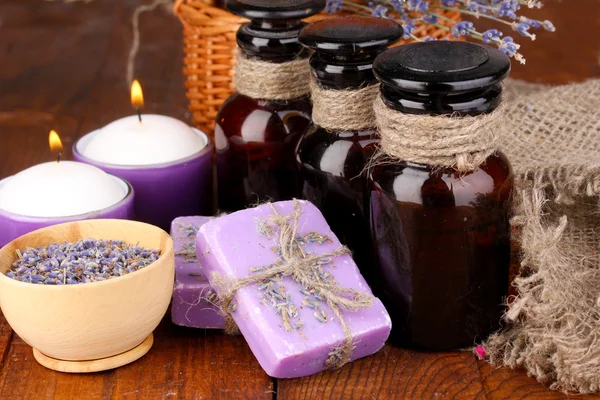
(192, 305)
(289, 327)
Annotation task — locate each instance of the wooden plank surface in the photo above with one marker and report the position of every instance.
(392, 373)
(63, 67)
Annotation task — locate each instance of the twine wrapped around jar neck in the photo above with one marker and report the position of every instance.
(462, 143)
(343, 110)
(275, 81)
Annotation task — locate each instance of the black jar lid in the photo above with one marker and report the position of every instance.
(441, 67)
(346, 47)
(351, 35)
(275, 9)
(272, 34)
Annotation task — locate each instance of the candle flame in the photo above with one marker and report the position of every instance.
(137, 97)
(55, 143)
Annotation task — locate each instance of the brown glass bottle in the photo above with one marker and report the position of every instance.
(255, 139)
(442, 237)
(332, 161)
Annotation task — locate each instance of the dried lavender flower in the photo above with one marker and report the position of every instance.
(409, 12)
(88, 260)
(188, 252)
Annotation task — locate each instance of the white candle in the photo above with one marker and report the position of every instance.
(156, 139)
(60, 189)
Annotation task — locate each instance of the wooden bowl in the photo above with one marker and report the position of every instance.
(89, 321)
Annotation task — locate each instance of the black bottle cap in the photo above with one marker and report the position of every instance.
(275, 9)
(351, 35)
(345, 48)
(442, 77)
(272, 34)
(441, 66)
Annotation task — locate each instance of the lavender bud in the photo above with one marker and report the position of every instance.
(35, 278)
(22, 270)
(92, 265)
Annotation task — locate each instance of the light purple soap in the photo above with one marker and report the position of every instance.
(236, 246)
(192, 305)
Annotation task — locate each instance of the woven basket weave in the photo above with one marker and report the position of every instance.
(210, 54)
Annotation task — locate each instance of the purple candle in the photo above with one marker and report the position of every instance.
(15, 225)
(60, 191)
(193, 299)
(168, 163)
(292, 327)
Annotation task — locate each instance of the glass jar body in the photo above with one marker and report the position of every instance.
(332, 165)
(255, 150)
(442, 241)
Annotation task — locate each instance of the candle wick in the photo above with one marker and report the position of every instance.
(139, 113)
(58, 157)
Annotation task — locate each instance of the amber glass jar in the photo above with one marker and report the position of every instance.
(256, 138)
(442, 237)
(332, 160)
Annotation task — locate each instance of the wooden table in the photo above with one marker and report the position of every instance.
(62, 66)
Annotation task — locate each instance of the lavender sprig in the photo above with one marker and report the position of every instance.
(87, 260)
(409, 12)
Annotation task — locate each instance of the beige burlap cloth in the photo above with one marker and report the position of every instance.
(552, 138)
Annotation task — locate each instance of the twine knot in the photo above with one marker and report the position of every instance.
(303, 268)
(463, 143)
(276, 81)
(343, 110)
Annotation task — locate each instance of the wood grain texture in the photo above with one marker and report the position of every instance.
(571, 54)
(392, 373)
(63, 67)
(183, 363)
(506, 384)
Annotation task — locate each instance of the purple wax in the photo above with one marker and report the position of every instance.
(191, 306)
(236, 246)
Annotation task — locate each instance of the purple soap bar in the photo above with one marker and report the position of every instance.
(289, 327)
(192, 305)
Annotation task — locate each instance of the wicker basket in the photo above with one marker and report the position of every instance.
(210, 54)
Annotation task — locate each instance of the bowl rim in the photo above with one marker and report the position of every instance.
(129, 197)
(167, 252)
(199, 154)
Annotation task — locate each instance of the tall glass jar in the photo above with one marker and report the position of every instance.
(441, 235)
(256, 136)
(333, 152)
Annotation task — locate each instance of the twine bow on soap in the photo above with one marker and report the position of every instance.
(303, 268)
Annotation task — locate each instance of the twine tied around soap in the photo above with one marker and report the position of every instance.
(302, 267)
(343, 110)
(268, 80)
(459, 142)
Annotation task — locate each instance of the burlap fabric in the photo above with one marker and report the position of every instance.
(552, 138)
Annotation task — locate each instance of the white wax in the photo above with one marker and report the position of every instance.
(60, 189)
(127, 141)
